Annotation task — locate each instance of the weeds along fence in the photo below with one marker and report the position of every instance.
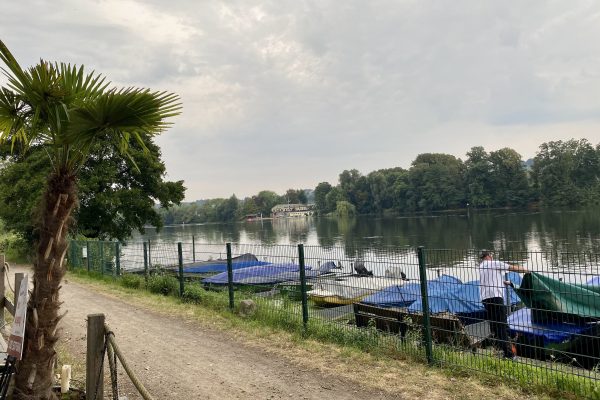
(539, 328)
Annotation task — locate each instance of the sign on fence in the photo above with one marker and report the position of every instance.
(17, 335)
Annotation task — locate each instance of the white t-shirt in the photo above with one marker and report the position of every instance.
(491, 279)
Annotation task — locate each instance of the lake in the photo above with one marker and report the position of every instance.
(577, 231)
(552, 233)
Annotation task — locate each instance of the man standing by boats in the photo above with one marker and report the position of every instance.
(491, 288)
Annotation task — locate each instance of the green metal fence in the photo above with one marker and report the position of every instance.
(447, 307)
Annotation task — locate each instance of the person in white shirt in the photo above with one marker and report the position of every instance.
(491, 288)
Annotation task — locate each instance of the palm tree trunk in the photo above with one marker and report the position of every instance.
(35, 371)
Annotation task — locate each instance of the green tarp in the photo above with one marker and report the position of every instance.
(553, 300)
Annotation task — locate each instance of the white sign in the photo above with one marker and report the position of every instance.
(17, 334)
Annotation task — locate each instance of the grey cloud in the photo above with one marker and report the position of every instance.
(324, 86)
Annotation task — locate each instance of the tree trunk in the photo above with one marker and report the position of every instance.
(35, 371)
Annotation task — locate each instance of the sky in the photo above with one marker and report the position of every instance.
(286, 94)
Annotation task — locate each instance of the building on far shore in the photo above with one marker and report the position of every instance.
(292, 210)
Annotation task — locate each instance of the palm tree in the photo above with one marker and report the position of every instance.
(68, 112)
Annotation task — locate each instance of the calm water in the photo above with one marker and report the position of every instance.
(574, 231)
(566, 240)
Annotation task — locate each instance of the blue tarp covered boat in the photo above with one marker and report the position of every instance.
(447, 294)
(242, 261)
(269, 274)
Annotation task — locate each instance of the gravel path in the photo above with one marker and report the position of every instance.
(178, 359)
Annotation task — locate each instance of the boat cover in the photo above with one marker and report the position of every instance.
(405, 295)
(553, 332)
(554, 300)
(445, 294)
(220, 265)
(270, 274)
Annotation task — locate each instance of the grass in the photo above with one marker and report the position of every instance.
(278, 322)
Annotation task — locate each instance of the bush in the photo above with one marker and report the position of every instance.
(14, 246)
(133, 281)
(163, 284)
(193, 294)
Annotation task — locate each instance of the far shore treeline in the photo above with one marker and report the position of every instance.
(562, 174)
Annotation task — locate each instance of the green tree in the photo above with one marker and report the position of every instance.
(436, 182)
(116, 194)
(68, 112)
(478, 179)
(565, 173)
(227, 211)
(266, 200)
(321, 192)
(508, 178)
(332, 198)
(295, 196)
(248, 207)
(345, 209)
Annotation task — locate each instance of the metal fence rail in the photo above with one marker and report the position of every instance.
(540, 326)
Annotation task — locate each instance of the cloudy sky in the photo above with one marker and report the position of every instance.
(286, 94)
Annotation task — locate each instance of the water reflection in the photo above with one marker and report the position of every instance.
(563, 237)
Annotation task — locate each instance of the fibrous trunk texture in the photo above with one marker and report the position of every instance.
(35, 371)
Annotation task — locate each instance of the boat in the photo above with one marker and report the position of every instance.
(561, 320)
(243, 261)
(269, 274)
(456, 312)
(342, 290)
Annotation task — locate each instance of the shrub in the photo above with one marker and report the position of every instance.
(163, 284)
(14, 246)
(193, 294)
(132, 281)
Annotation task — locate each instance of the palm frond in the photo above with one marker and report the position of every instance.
(119, 115)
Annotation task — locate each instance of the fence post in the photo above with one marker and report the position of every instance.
(102, 257)
(230, 276)
(94, 381)
(149, 254)
(18, 280)
(303, 285)
(146, 260)
(117, 258)
(2, 291)
(193, 249)
(425, 302)
(87, 254)
(180, 261)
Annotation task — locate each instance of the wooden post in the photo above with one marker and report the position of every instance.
(94, 382)
(18, 279)
(2, 291)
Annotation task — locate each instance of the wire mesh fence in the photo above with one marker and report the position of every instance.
(532, 317)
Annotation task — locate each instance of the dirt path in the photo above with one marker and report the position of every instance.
(177, 359)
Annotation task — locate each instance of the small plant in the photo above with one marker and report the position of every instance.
(163, 284)
(132, 281)
(193, 294)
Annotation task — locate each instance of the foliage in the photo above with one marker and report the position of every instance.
(133, 281)
(14, 246)
(193, 294)
(567, 173)
(163, 284)
(345, 209)
(293, 196)
(321, 192)
(116, 194)
(436, 182)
